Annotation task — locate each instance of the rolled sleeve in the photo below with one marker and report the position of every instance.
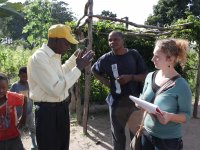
(185, 102)
(69, 64)
(72, 76)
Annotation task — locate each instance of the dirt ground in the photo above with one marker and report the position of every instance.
(99, 134)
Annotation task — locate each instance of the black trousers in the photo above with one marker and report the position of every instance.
(52, 125)
(154, 143)
(11, 144)
(120, 112)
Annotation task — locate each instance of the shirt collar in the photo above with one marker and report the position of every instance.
(48, 50)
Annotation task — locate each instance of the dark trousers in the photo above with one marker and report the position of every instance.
(120, 112)
(153, 143)
(52, 125)
(11, 144)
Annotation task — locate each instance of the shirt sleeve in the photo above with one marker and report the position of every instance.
(69, 64)
(147, 92)
(48, 79)
(98, 66)
(185, 100)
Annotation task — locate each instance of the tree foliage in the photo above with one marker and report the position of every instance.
(108, 13)
(193, 31)
(194, 7)
(167, 12)
(8, 9)
(40, 15)
(10, 27)
(61, 13)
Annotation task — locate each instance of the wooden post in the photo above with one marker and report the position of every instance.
(79, 108)
(126, 18)
(195, 111)
(87, 70)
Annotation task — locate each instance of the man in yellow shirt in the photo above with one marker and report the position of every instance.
(49, 81)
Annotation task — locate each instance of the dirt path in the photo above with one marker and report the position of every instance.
(99, 135)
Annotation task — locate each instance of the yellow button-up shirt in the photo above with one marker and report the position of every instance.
(49, 80)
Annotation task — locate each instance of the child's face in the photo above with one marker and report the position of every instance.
(23, 77)
(3, 88)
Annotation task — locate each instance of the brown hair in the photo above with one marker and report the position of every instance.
(174, 47)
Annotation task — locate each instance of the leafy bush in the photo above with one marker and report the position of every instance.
(98, 92)
(190, 70)
(12, 59)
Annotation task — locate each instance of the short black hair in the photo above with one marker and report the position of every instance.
(118, 33)
(22, 70)
(3, 77)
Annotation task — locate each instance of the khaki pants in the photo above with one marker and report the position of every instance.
(134, 121)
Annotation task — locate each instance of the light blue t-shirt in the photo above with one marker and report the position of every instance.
(17, 87)
(177, 99)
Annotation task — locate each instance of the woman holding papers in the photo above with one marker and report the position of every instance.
(163, 130)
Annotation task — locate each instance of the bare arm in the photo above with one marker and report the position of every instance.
(166, 117)
(123, 79)
(103, 80)
(22, 119)
(139, 77)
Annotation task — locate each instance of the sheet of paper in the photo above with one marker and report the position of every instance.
(109, 100)
(149, 107)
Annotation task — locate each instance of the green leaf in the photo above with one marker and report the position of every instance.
(30, 39)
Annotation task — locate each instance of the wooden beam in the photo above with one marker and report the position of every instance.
(87, 70)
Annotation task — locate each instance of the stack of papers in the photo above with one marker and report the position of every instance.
(149, 107)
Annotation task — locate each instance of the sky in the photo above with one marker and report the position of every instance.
(136, 10)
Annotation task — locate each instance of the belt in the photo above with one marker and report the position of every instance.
(51, 104)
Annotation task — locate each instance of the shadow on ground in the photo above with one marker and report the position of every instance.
(99, 126)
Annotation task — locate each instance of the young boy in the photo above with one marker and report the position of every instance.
(21, 86)
(9, 134)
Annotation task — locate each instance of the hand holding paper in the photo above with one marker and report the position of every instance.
(149, 107)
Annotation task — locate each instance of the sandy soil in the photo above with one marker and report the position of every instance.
(99, 134)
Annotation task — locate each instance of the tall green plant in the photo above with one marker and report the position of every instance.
(11, 60)
(38, 17)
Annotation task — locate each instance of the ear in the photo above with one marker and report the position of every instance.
(171, 59)
(52, 43)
